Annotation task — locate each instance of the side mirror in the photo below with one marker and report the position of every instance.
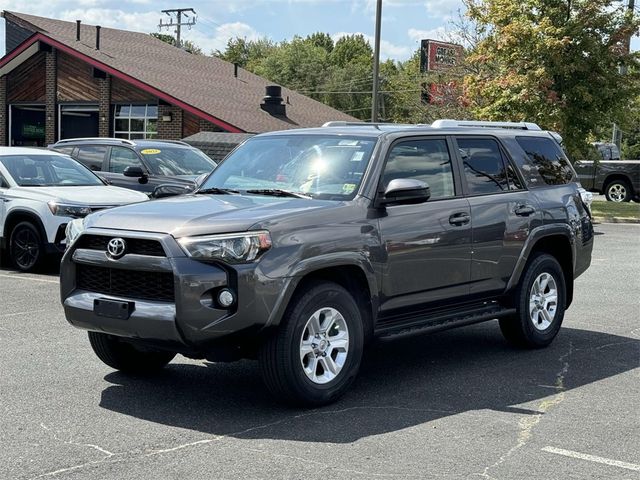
(405, 191)
(200, 179)
(162, 191)
(134, 172)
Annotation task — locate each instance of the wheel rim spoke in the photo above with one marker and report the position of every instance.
(543, 301)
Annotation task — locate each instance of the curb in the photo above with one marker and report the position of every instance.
(609, 219)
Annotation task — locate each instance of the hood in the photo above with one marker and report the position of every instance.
(95, 195)
(203, 214)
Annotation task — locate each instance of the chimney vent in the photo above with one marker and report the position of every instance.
(98, 37)
(77, 30)
(235, 70)
(272, 102)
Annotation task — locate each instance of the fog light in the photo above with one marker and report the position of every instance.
(226, 298)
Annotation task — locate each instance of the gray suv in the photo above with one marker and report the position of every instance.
(303, 246)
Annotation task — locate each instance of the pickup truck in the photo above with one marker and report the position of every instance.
(618, 180)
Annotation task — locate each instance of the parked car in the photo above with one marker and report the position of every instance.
(40, 192)
(302, 246)
(618, 180)
(142, 165)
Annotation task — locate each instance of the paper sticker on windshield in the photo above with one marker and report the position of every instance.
(357, 156)
(348, 188)
(150, 151)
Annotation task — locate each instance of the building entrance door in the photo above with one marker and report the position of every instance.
(78, 121)
(26, 125)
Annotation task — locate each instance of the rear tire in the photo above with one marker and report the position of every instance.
(540, 304)
(618, 191)
(26, 248)
(125, 357)
(315, 354)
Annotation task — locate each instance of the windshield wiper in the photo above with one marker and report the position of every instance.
(217, 191)
(276, 192)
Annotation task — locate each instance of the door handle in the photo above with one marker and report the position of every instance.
(524, 210)
(460, 218)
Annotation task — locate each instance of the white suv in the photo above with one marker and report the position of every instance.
(40, 192)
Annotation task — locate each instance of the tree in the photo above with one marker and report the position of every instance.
(554, 62)
(321, 39)
(246, 52)
(187, 45)
(351, 48)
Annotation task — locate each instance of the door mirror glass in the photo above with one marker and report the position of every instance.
(406, 190)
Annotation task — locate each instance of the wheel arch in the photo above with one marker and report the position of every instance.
(617, 176)
(349, 274)
(14, 217)
(557, 241)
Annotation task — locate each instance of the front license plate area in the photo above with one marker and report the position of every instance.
(113, 308)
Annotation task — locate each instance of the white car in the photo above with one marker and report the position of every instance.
(40, 192)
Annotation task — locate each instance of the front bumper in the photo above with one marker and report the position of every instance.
(194, 320)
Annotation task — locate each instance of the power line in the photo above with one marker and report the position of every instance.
(179, 12)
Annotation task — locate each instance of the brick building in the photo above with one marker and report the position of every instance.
(68, 79)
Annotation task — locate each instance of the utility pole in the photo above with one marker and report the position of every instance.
(617, 134)
(376, 63)
(179, 12)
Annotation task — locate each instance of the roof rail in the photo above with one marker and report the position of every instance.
(177, 142)
(343, 123)
(446, 123)
(69, 140)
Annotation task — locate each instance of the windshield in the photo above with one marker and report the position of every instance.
(319, 166)
(48, 171)
(173, 160)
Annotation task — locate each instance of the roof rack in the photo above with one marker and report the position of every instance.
(69, 140)
(343, 123)
(177, 142)
(446, 123)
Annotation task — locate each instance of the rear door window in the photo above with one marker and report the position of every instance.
(92, 156)
(549, 164)
(485, 169)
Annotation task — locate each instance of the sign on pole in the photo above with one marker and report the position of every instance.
(437, 56)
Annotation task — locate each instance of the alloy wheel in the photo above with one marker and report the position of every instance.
(26, 248)
(617, 192)
(543, 301)
(324, 345)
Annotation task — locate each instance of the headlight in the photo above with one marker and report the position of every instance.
(64, 210)
(587, 197)
(230, 248)
(73, 230)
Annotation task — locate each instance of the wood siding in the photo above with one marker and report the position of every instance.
(190, 124)
(122, 92)
(27, 82)
(75, 80)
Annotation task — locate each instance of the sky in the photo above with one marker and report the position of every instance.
(404, 22)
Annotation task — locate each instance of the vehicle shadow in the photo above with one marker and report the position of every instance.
(401, 384)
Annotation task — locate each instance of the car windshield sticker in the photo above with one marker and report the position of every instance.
(357, 156)
(150, 151)
(348, 188)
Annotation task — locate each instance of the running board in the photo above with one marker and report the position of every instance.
(442, 320)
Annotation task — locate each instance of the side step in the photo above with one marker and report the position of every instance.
(442, 320)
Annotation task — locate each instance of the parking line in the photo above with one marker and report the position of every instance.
(592, 458)
(20, 277)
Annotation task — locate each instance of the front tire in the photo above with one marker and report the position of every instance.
(125, 357)
(618, 191)
(540, 304)
(315, 355)
(26, 248)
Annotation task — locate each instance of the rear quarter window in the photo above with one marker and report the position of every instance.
(546, 163)
(92, 156)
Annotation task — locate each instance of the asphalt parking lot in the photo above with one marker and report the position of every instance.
(459, 404)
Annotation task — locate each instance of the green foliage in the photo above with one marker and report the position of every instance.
(554, 62)
(246, 53)
(352, 49)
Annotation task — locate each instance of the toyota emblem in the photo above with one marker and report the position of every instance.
(116, 247)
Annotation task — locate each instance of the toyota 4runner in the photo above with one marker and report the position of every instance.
(305, 245)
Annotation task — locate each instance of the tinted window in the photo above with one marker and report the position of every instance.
(92, 156)
(66, 149)
(425, 160)
(3, 183)
(171, 160)
(121, 158)
(484, 168)
(547, 159)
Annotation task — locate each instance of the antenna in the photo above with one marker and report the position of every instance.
(179, 12)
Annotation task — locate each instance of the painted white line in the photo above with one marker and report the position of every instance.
(21, 277)
(17, 314)
(592, 458)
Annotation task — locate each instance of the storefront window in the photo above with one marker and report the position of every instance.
(135, 122)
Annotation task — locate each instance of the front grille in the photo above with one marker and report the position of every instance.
(127, 283)
(138, 246)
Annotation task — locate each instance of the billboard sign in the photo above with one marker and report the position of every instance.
(438, 56)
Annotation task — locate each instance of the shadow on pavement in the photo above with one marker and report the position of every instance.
(400, 385)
